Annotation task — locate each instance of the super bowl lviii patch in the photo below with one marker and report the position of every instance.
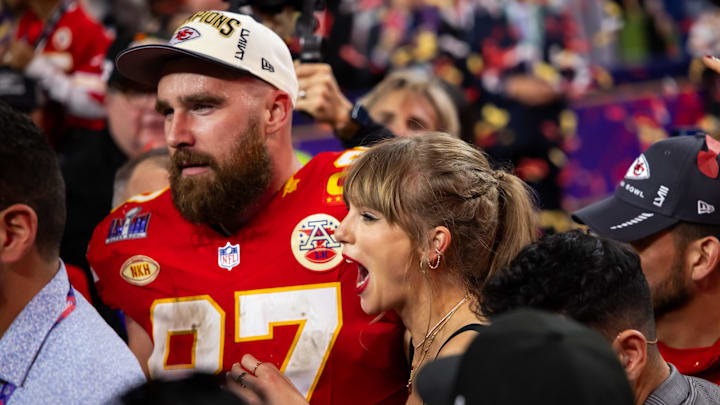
(229, 256)
(140, 270)
(133, 225)
(313, 242)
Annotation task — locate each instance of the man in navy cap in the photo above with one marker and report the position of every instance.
(668, 208)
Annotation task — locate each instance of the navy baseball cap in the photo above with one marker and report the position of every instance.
(675, 180)
(529, 357)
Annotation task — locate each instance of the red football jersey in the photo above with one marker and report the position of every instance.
(278, 288)
(702, 362)
(76, 47)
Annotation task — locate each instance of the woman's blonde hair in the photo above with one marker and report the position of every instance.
(434, 180)
(419, 82)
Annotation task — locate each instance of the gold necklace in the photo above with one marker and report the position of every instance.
(429, 339)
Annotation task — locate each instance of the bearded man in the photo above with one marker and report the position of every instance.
(239, 255)
(668, 208)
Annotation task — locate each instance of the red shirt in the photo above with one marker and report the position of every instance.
(278, 288)
(700, 362)
(77, 47)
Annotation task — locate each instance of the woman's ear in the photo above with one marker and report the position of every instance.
(440, 239)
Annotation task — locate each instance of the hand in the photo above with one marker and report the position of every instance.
(530, 90)
(320, 95)
(712, 63)
(261, 383)
(19, 55)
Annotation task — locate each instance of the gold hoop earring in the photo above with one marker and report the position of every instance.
(437, 263)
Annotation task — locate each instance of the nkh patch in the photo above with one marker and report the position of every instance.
(313, 242)
(133, 225)
(184, 34)
(140, 270)
(229, 256)
(639, 169)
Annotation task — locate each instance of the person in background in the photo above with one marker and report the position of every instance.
(61, 47)
(144, 174)
(528, 356)
(53, 344)
(665, 208)
(608, 293)
(407, 102)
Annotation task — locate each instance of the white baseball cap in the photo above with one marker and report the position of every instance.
(229, 39)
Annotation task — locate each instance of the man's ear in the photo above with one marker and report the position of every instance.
(703, 257)
(631, 347)
(278, 111)
(18, 230)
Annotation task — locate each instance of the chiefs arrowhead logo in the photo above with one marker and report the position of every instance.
(639, 169)
(184, 34)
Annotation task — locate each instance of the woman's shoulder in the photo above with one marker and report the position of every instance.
(459, 340)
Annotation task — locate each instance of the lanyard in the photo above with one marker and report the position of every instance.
(50, 26)
(7, 388)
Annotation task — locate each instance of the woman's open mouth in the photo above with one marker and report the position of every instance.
(363, 277)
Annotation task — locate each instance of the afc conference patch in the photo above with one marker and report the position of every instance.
(313, 242)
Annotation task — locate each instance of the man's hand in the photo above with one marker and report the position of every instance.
(320, 95)
(19, 55)
(261, 383)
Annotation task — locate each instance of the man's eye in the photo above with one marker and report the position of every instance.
(202, 107)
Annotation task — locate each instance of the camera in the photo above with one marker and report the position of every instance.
(305, 25)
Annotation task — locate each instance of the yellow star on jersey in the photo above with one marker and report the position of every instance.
(290, 186)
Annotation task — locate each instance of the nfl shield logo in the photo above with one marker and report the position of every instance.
(229, 256)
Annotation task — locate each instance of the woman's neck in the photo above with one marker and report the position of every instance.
(432, 309)
(431, 317)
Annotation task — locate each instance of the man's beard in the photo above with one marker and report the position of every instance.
(226, 194)
(673, 292)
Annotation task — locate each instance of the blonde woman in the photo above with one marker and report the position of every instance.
(406, 102)
(428, 221)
